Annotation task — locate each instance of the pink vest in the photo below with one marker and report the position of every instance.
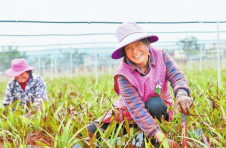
(144, 84)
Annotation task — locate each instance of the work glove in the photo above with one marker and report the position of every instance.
(184, 102)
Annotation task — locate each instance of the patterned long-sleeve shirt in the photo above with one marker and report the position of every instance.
(35, 92)
(133, 100)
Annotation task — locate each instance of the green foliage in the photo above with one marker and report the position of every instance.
(189, 45)
(76, 103)
(8, 54)
(77, 56)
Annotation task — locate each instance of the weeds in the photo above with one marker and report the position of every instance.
(76, 103)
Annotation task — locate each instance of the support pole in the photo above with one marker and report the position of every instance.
(71, 64)
(55, 68)
(222, 63)
(109, 66)
(200, 61)
(206, 57)
(213, 60)
(218, 56)
(96, 63)
(43, 70)
(39, 66)
(84, 67)
(51, 67)
(190, 63)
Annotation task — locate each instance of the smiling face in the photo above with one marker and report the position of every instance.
(138, 52)
(22, 77)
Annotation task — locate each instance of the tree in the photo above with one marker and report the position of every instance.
(77, 58)
(7, 55)
(189, 45)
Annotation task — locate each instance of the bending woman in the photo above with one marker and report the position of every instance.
(142, 79)
(25, 87)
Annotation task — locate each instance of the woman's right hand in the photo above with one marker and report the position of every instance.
(184, 102)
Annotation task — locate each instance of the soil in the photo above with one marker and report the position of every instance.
(40, 137)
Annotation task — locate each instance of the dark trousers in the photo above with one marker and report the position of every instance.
(155, 106)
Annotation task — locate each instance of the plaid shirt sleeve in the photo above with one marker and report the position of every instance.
(8, 95)
(40, 92)
(136, 107)
(174, 75)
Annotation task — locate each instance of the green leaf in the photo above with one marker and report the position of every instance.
(109, 130)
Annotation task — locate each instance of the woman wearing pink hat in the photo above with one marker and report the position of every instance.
(142, 79)
(25, 87)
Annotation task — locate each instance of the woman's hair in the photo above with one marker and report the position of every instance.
(30, 73)
(145, 41)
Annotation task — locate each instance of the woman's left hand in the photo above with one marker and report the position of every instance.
(184, 102)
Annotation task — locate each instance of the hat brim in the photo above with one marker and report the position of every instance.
(119, 52)
(12, 73)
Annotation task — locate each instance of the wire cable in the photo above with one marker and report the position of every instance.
(87, 34)
(100, 22)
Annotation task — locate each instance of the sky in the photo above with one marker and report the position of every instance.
(106, 10)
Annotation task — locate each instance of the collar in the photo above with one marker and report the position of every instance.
(17, 84)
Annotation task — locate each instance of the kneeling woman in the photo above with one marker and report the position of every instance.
(142, 79)
(25, 86)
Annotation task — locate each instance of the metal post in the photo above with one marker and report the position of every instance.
(190, 61)
(96, 68)
(39, 66)
(224, 56)
(71, 64)
(218, 55)
(109, 66)
(43, 70)
(200, 64)
(84, 67)
(4, 78)
(96, 64)
(222, 63)
(213, 60)
(51, 67)
(55, 67)
(206, 57)
(206, 61)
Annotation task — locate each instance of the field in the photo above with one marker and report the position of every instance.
(75, 103)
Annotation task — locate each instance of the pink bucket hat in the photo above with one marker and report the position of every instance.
(127, 33)
(18, 66)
